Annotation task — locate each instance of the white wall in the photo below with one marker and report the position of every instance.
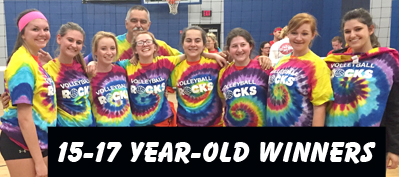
(381, 12)
(3, 45)
(217, 7)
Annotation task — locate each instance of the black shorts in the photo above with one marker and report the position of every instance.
(11, 151)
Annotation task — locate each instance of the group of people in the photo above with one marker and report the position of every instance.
(124, 81)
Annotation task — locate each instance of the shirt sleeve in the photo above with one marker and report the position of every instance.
(21, 82)
(88, 58)
(123, 63)
(220, 83)
(172, 79)
(171, 51)
(174, 59)
(321, 89)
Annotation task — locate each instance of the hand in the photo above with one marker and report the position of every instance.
(221, 61)
(223, 54)
(91, 68)
(5, 99)
(392, 160)
(41, 170)
(44, 57)
(134, 60)
(265, 62)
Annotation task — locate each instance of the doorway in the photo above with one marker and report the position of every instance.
(211, 28)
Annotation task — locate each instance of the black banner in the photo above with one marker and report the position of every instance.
(216, 151)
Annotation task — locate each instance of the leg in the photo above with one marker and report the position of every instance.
(21, 167)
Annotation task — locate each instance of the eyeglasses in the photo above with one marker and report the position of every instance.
(141, 43)
(266, 47)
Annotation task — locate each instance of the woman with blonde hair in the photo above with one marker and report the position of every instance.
(109, 92)
(212, 43)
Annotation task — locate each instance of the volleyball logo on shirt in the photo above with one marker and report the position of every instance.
(240, 92)
(140, 89)
(73, 93)
(77, 91)
(228, 95)
(196, 88)
(285, 48)
(337, 73)
(149, 89)
(115, 97)
(187, 90)
(360, 73)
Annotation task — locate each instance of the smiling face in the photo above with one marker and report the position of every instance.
(301, 38)
(71, 43)
(239, 50)
(145, 47)
(357, 35)
(193, 44)
(36, 35)
(106, 51)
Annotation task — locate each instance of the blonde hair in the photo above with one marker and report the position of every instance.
(213, 37)
(99, 35)
(284, 32)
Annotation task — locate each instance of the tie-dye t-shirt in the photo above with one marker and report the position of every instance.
(245, 93)
(125, 49)
(110, 100)
(73, 89)
(147, 85)
(295, 86)
(361, 90)
(28, 83)
(198, 102)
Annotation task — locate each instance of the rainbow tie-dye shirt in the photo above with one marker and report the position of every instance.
(110, 100)
(198, 102)
(147, 85)
(295, 86)
(361, 89)
(28, 83)
(73, 89)
(245, 93)
(125, 49)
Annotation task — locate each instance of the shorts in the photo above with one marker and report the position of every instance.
(11, 151)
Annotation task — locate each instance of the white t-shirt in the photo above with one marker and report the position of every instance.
(279, 49)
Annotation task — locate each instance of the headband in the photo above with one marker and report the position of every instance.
(29, 17)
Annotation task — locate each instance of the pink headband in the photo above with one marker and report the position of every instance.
(29, 17)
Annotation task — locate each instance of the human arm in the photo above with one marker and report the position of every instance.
(28, 129)
(219, 59)
(265, 62)
(319, 115)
